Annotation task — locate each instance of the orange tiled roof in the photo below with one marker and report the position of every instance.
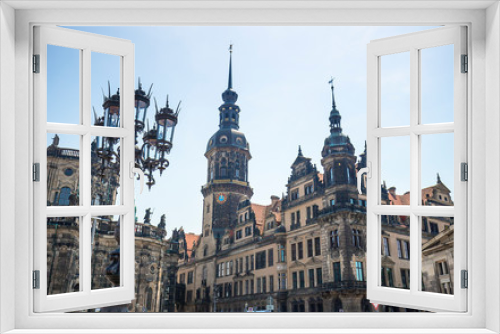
(277, 216)
(405, 198)
(320, 176)
(190, 238)
(427, 191)
(399, 199)
(260, 215)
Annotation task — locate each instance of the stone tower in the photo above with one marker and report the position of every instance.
(227, 184)
(339, 162)
(341, 194)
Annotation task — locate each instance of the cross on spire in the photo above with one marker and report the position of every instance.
(333, 96)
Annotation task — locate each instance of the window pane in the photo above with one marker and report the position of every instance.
(436, 84)
(63, 85)
(395, 251)
(105, 90)
(437, 254)
(395, 170)
(63, 170)
(63, 253)
(105, 239)
(437, 169)
(395, 89)
(105, 171)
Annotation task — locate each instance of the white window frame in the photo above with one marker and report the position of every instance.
(15, 49)
(86, 44)
(413, 297)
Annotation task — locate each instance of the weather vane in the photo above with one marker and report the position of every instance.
(331, 81)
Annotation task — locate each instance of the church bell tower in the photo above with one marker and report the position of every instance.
(339, 161)
(227, 184)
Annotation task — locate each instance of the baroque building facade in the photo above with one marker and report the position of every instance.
(306, 251)
(156, 256)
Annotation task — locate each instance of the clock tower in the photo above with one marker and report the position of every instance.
(227, 184)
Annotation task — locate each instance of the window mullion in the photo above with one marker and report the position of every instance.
(414, 166)
(85, 174)
(85, 254)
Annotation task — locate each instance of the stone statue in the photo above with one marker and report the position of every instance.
(55, 140)
(162, 223)
(147, 216)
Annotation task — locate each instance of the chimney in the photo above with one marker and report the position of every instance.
(392, 191)
(274, 200)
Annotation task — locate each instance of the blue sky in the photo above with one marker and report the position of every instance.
(281, 75)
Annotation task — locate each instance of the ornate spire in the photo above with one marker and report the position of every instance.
(229, 96)
(334, 114)
(300, 152)
(362, 159)
(333, 96)
(230, 80)
(438, 178)
(336, 143)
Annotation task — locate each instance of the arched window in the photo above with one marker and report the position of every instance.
(64, 196)
(223, 168)
(237, 169)
(205, 252)
(337, 305)
(204, 273)
(331, 176)
(211, 171)
(149, 299)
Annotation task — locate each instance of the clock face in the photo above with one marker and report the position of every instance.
(221, 198)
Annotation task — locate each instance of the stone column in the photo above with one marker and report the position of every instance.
(351, 302)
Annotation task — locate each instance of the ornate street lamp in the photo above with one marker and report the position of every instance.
(156, 143)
